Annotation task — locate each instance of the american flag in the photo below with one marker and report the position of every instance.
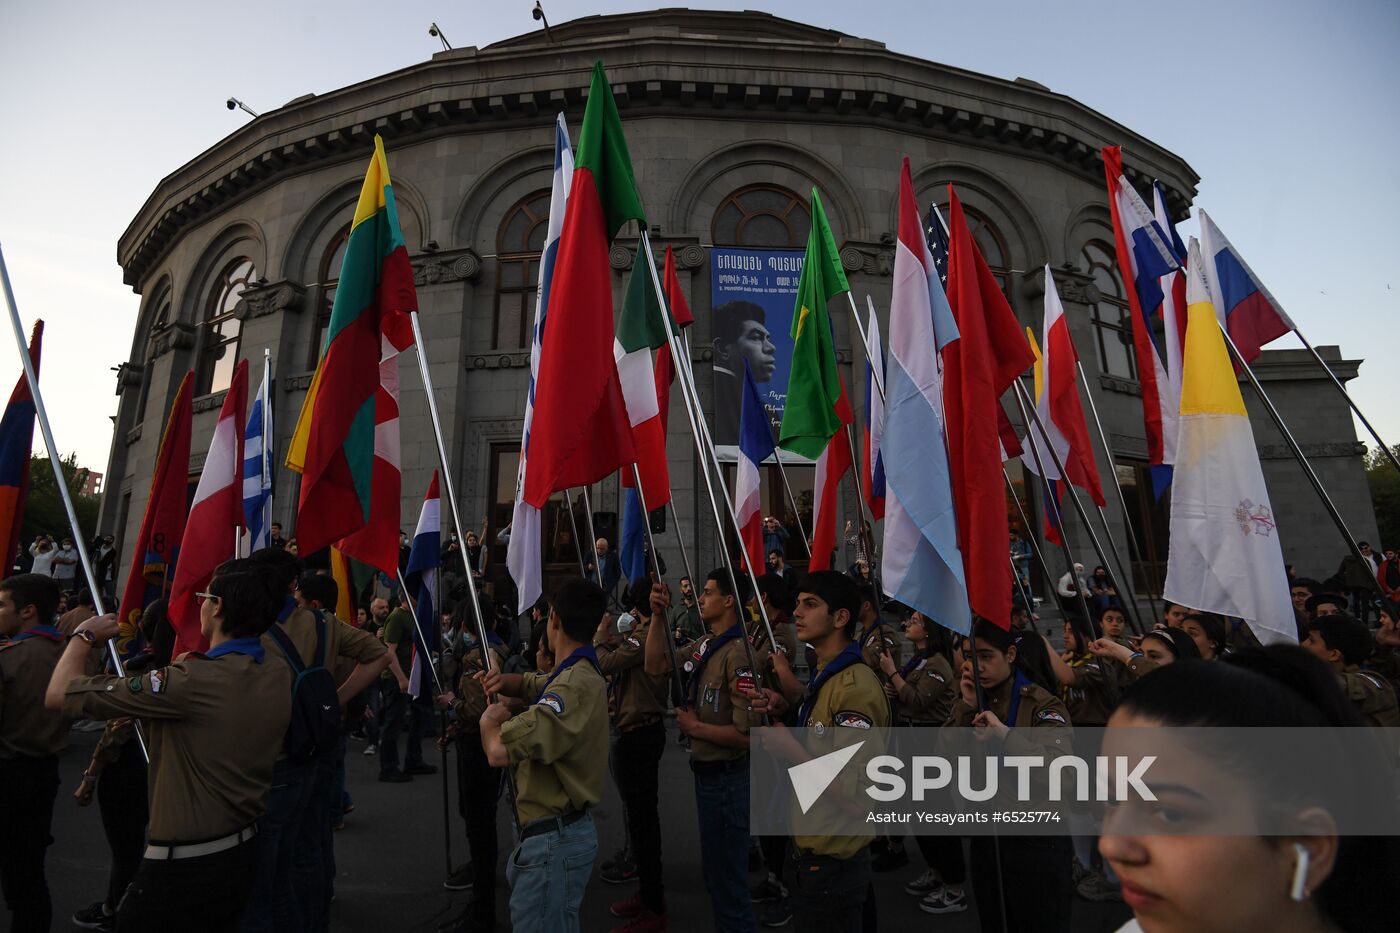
(938, 243)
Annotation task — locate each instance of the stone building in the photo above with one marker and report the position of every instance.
(731, 119)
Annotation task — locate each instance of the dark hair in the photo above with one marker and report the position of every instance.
(737, 586)
(33, 589)
(538, 641)
(999, 638)
(1345, 634)
(1106, 610)
(867, 595)
(158, 632)
(250, 595)
(1033, 660)
(776, 550)
(1212, 625)
(285, 566)
(319, 588)
(639, 596)
(85, 597)
(776, 589)
(1317, 599)
(838, 591)
(580, 605)
(1283, 686)
(1082, 632)
(727, 321)
(1182, 646)
(1308, 583)
(542, 607)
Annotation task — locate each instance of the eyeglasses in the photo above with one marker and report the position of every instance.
(203, 596)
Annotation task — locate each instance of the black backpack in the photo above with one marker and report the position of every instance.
(314, 728)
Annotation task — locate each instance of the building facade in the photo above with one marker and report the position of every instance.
(731, 118)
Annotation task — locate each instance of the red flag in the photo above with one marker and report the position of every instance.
(1010, 443)
(833, 464)
(978, 368)
(215, 519)
(16, 447)
(163, 524)
(680, 312)
(581, 430)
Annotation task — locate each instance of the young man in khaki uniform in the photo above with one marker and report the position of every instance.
(717, 718)
(637, 707)
(222, 713)
(877, 637)
(31, 736)
(557, 746)
(1345, 644)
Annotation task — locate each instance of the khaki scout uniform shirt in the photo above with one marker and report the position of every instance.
(851, 699)
(215, 727)
(1372, 696)
(1090, 700)
(878, 639)
(559, 745)
(928, 692)
(635, 698)
(1038, 709)
(27, 728)
(470, 700)
(718, 700)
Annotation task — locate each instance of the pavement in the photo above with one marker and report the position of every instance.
(391, 859)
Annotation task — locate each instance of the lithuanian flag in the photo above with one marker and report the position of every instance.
(581, 430)
(816, 405)
(333, 445)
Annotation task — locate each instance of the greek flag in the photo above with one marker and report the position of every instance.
(257, 465)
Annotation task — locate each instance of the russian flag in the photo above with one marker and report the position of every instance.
(1144, 258)
(874, 464)
(1248, 312)
(755, 446)
(16, 442)
(423, 562)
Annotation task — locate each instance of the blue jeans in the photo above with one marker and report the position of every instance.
(722, 800)
(288, 849)
(547, 875)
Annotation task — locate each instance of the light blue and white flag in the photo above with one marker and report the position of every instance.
(525, 549)
(257, 466)
(424, 560)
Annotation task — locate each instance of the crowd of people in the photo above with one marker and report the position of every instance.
(234, 818)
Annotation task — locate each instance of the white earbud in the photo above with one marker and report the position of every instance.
(1299, 890)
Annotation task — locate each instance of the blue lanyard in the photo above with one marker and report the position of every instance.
(1018, 682)
(849, 656)
(42, 631)
(250, 646)
(714, 644)
(585, 652)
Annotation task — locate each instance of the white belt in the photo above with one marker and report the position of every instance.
(196, 849)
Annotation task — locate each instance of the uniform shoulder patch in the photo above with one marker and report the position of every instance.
(852, 719)
(634, 641)
(133, 684)
(1049, 715)
(552, 700)
(744, 679)
(157, 681)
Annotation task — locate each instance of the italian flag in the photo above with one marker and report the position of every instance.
(333, 446)
(639, 331)
(582, 430)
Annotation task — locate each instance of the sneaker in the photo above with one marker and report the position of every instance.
(776, 914)
(461, 878)
(889, 860)
(946, 901)
(619, 856)
(395, 777)
(924, 885)
(628, 907)
(769, 889)
(646, 921)
(348, 809)
(370, 749)
(620, 872)
(1095, 887)
(95, 917)
(1077, 872)
(421, 768)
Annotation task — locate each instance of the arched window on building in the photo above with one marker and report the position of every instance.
(765, 216)
(220, 348)
(519, 244)
(327, 276)
(158, 323)
(989, 241)
(1113, 327)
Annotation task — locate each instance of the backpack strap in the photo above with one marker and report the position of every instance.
(288, 650)
(320, 638)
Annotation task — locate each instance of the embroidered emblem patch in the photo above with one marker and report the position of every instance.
(851, 719)
(689, 666)
(744, 679)
(632, 640)
(818, 728)
(553, 700)
(157, 681)
(133, 684)
(1049, 715)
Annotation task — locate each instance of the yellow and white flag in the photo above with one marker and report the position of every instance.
(1224, 553)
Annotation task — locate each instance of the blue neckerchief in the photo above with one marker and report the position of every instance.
(713, 645)
(42, 631)
(585, 652)
(1017, 683)
(250, 646)
(288, 607)
(912, 663)
(849, 656)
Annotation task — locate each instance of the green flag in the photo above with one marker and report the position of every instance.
(816, 405)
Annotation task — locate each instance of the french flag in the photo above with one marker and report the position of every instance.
(424, 560)
(215, 519)
(874, 464)
(1251, 315)
(1145, 257)
(755, 446)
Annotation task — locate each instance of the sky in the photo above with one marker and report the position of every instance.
(1285, 108)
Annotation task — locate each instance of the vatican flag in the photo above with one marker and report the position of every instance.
(1224, 555)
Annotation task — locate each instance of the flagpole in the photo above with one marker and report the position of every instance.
(1135, 548)
(1356, 409)
(59, 480)
(877, 378)
(422, 637)
(1296, 450)
(573, 523)
(796, 512)
(704, 448)
(1054, 505)
(866, 537)
(1030, 538)
(1129, 607)
(267, 435)
(680, 541)
(592, 539)
(657, 576)
(457, 524)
